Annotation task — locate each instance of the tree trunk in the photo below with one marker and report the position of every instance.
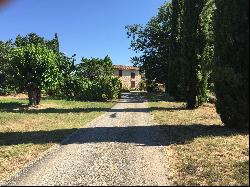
(34, 94)
(38, 97)
(192, 100)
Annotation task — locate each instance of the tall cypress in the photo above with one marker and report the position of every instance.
(56, 42)
(232, 61)
(53, 44)
(174, 70)
(206, 49)
(192, 49)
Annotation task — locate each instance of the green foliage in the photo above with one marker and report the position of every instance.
(197, 49)
(106, 88)
(152, 43)
(232, 62)
(207, 50)
(152, 87)
(67, 68)
(54, 44)
(36, 65)
(191, 47)
(33, 38)
(30, 38)
(142, 85)
(91, 80)
(125, 88)
(176, 49)
(33, 69)
(18, 82)
(175, 73)
(5, 79)
(95, 68)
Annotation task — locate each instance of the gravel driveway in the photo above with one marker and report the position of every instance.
(121, 147)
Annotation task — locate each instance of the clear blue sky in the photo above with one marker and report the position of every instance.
(87, 28)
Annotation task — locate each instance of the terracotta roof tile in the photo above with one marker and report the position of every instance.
(122, 67)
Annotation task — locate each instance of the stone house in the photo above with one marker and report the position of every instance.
(129, 75)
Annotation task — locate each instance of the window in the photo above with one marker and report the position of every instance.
(132, 75)
(132, 84)
(120, 73)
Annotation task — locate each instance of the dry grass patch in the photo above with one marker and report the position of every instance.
(14, 96)
(26, 132)
(205, 152)
(12, 158)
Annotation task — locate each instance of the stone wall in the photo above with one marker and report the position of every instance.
(126, 78)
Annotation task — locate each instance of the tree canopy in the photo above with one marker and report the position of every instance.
(152, 44)
(193, 45)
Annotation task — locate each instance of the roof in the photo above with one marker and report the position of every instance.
(122, 67)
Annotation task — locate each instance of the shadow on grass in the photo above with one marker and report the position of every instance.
(142, 135)
(84, 110)
(9, 106)
(57, 110)
(169, 109)
(16, 107)
(158, 97)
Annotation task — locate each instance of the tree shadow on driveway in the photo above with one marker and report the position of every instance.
(158, 135)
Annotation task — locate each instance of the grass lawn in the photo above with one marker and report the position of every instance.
(202, 151)
(25, 133)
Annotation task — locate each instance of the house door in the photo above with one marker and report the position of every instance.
(132, 84)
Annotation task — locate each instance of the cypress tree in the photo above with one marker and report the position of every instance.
(56, 43)
(192, 50)
(232, 61)
(206, 49)
(53, 44)
(174, 70)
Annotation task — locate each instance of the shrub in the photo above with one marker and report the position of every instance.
(91, 80)
(142, 85)
(125, 88)
(152, 87)
(232, 98)
(103, 89)
(5, 91)
(107, 88)
(232, 62)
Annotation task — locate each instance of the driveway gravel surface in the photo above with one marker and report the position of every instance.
(123, 147)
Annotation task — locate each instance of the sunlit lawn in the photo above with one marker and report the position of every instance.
(26, 133)
(202, 151)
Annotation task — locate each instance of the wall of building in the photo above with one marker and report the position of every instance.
(126, 78)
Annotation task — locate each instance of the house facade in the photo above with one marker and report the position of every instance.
(129, 76)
